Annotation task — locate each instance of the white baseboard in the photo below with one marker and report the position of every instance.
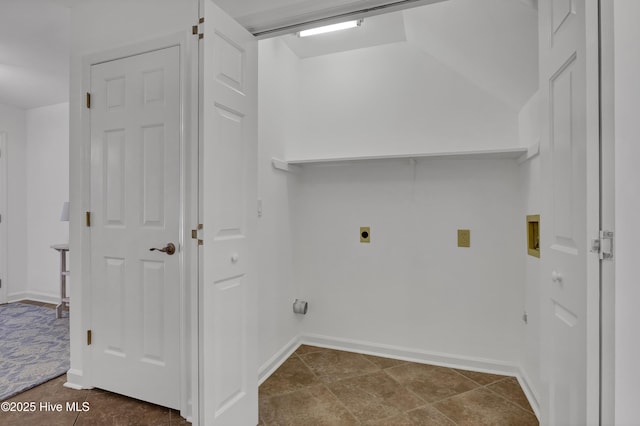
(525, 384)
(74, 378)
(36, 296)
(269, 367)
(414, 355)
(15, 297)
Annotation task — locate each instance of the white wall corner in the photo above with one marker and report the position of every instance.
(269, 367)
(527, 387)
(532, 151)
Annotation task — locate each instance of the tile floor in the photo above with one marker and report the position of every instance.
(317, 386)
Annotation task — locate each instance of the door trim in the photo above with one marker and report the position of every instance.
(607, 201)
(188, 213)
(4, 207)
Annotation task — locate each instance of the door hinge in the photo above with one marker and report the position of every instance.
(88, 100)
(88, 219)
(88, 337)
(201, 35)
(199, 231)
(603, 245)
(194, 30)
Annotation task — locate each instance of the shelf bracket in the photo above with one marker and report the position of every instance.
(283, 165)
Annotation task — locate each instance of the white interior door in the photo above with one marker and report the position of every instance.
(228, 194)
(567, 219)
(135, 201)
(3, 219)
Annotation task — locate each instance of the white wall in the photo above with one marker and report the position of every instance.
(529, 124)
(394, 99)
(47, 190)
(412, 287)
(278, 86)
(12, 121)
(627, 210)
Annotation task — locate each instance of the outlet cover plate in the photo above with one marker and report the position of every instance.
(464, 238)
(365, 234)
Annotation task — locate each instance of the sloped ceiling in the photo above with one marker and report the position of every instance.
(491, 43)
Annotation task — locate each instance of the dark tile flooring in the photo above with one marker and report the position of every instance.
(317, 386)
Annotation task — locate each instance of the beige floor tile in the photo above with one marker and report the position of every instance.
(424, 416)
(511, 390)
(307, 349)
(331, 366)
(431, 383)
(374, 396)
(384, 362)
(292, 375)
(481, 378)
(314, 405)
(483, 407)
(429, 416)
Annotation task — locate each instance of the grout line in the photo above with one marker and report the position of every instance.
(342, 403)
(434, 408)
(308, 367)
(406, 388)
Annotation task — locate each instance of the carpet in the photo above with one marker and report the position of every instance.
(34, 347)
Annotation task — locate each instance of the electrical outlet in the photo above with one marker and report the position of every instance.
(464, 238)
(365, 234)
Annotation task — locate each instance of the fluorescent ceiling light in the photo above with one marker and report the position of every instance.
(330, 28)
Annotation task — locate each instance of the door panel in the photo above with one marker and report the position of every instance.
(228, 185)
(565, 257)
(135, 199)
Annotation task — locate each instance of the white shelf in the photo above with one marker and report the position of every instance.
(514, 153)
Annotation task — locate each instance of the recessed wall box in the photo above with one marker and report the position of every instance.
(533, 235)
(464, 238)
(365, 234)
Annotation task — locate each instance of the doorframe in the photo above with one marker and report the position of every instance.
(189, 368)
(607, 213)
(4, 234)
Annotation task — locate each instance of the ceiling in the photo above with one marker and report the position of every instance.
(34, 53)
(491, 42)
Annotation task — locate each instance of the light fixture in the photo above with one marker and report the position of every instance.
(330, 28)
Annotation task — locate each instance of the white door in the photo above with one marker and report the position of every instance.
(568, 217)
(228, 194)
(4, 279)
(135, 205)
